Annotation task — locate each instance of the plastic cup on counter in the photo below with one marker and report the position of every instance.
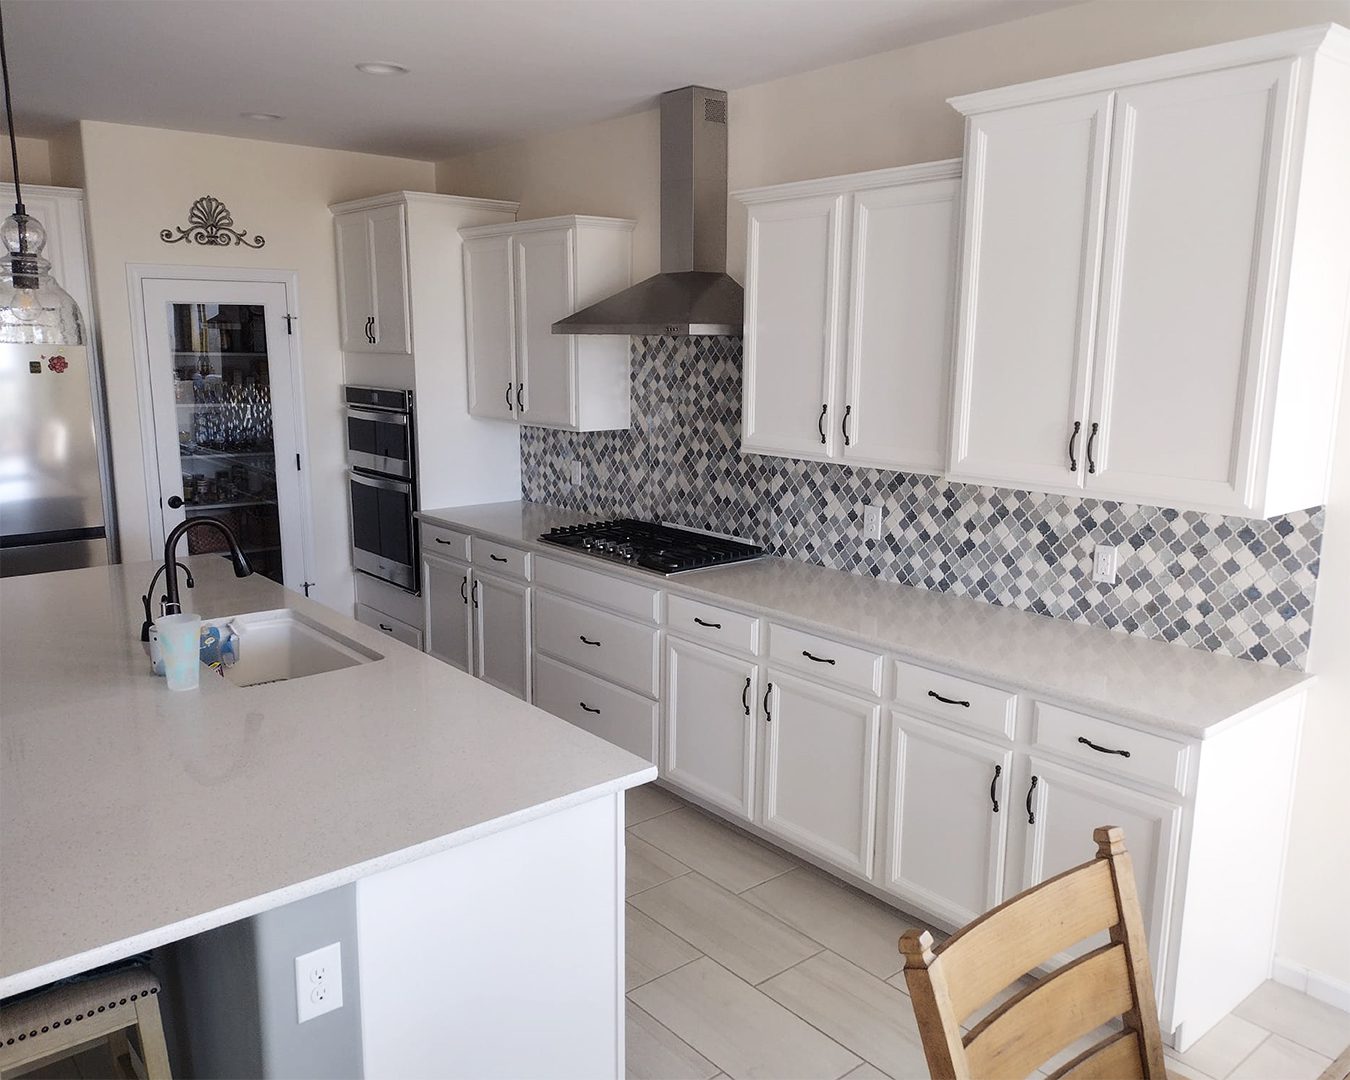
(180, 645)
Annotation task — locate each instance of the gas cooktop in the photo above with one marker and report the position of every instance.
(661, 549)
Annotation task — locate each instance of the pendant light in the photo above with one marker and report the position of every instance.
(34, 309)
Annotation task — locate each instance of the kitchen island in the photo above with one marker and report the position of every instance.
(133, 817)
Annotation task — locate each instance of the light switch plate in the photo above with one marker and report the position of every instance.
(1106, 564)
(871, 521)
(318, 982)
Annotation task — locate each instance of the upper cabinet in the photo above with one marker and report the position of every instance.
(1154, 278)
(519, 279)
(373, 281)
(848, 311)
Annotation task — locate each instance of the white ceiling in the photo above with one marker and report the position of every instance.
(483, 71)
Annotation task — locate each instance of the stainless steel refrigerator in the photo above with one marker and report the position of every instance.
(55, 499)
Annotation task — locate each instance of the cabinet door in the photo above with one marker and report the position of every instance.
(1067, 806)
(711, 704)
(792, 327)
(1035, 186)
(389, 280)
(447, 617)
(946, 835)
(356, 302)
(1195, 176)
(545, 361)
(897, 390)
(502, 638)
(820, 770)
(490, 327)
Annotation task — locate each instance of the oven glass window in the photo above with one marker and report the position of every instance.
(382, 522)
(377, 437)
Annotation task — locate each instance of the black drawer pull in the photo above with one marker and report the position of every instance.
(817, 659)
(745, 696)
(464, 589)
(1031, 791)
(1092, 438)
(508, 397)
(820, 423)
(587, 708)
(386, 628)
(475, 592)
(520, 389)
(768, 692)
(442, 540)
(1073, 442)
(947, 700)
(709, 625)
(1102, 749)
(498, 558)
(993, 798)
(587, 641)
(848, 410)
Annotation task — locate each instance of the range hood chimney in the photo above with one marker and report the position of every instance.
(692, 295)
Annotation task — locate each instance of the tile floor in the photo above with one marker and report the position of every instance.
(743, 962)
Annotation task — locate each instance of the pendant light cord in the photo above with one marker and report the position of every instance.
(9, 116)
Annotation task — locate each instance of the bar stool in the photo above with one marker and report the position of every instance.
(72, 1016)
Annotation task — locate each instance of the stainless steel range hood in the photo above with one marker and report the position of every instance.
(693, 294)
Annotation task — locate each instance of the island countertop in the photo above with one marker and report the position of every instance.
(132, 816)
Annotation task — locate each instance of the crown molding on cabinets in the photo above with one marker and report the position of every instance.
(564, 221)
(372, 202)
(947, 169)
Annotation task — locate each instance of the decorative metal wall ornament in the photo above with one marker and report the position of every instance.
(211, 223)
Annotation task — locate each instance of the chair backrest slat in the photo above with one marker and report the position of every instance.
(1116, 1058)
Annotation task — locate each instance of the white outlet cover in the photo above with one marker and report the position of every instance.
(318, 982)
(871, 521)
(1106, 564)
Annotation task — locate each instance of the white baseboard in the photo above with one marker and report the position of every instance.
(1313, 983)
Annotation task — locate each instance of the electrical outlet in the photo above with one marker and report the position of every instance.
(318, 982)
(1106, 564)
(871, 521)
(576, 473)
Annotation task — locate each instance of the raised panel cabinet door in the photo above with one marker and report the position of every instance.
(1031, 250)
(490, 327)
(389, 280)
(356, 299)
(897, 382)
(447, 613)
(501, 611)
(712, 702)
(820, 770)
(946, 834)
(792, 300)
(1192, 217)
(545, 361)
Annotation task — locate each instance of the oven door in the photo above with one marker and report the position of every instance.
(383, 534)
(379, 441)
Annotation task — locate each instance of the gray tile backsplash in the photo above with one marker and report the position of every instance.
(1229, 585)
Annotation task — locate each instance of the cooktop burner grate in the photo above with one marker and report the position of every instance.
(661, 549)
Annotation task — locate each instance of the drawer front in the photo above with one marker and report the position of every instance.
(387, 624)
(1123, 752)
(626, 597)
(501, 558)
(616, 715)
(950, 697)
(614, 648)
(847, 665)
(712, 625)
(451, 543)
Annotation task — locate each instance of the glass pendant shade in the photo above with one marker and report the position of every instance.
(34, 309)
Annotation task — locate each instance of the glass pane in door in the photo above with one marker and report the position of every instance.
(222, 397)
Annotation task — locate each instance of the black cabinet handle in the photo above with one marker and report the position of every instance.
(442, 540)
(509, 406)
(475, 592)
(947, 700)
(175, 502)
(587, 708)
(848, 409)
(1031, 791)
(498, 558)
(1092, 437)
(745, 696)
(709, 625)
(386, 628)
(820, 423)
(464, 589)
(817, 659)
(1073, 443)
(1102, 749)
(768, 692)
(587, 641)
(993, 797)
(520, 389)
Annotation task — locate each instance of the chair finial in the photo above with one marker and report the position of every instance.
(1110, 840)
(917, 948)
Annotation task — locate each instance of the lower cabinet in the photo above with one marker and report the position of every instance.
(387, 624)
(620, 716)
(501, 609)
(820, 770)
(712, 700)
(447, 613)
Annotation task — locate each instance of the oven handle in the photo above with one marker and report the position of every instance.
(404, 486)
(378, 416)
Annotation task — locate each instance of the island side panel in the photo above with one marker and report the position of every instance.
(500, 958)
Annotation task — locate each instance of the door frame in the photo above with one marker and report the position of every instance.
(137, 275)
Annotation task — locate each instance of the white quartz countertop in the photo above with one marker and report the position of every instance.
(131, 815)
(1153, 684)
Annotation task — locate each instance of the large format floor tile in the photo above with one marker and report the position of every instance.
(716, 851)
(651, 950)
(1222, 1049)
(1279, 1058)
(1304, 1020)
(739, 1029)
(648, 866)
(739, 936)
(654, 1052)
(648, 801)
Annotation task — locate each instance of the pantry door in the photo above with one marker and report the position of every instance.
(225, 419)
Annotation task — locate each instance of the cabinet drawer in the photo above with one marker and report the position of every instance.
(712, 625)
(615, 714)
(1123, 752)
(438, 540)
(614, 648)
(627, 597)
(501, 558)
(387, 624)
(950, 697)
(825, 659)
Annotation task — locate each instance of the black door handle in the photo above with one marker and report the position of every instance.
(386, 628)
(498, 558)
(709, 625)
(464, 589)
(817, 659)
(820, 423)
(848, 409)
(768, 692)
(947, 700)
(745, 696)
(1092, 437)
(1102, 749)
(520, 389)
(587, 641)
(175, 502)
(1031, 791)
(475, 592)
(588, 708)
(1073, 443)
(509, 407)
(993, 798)
(370, 329)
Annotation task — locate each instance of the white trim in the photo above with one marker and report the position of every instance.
(847, 183)
(564, 221)
(1316, 984)
(392, 198)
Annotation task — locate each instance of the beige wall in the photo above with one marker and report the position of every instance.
(890, 109)
(35, 162)
(140, 180)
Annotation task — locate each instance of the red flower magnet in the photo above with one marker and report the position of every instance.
(58, 363)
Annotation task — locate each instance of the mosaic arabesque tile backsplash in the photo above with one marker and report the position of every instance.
(1229, 585)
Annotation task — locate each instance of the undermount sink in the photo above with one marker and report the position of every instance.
(283, 644)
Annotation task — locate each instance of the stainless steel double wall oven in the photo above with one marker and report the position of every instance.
(382, 483)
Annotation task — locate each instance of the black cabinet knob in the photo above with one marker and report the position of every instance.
(175, 502)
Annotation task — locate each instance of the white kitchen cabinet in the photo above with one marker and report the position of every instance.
(373, 281)
(519, 279)
(1155, 278)
(447, 612)
(501, 611)
(820, 770)
(948, 807)
(711, 705)
(849, 293)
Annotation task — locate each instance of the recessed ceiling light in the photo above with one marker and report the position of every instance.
(262, 116)
(381, 67)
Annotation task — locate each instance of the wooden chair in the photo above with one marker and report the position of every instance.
(948, 983)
